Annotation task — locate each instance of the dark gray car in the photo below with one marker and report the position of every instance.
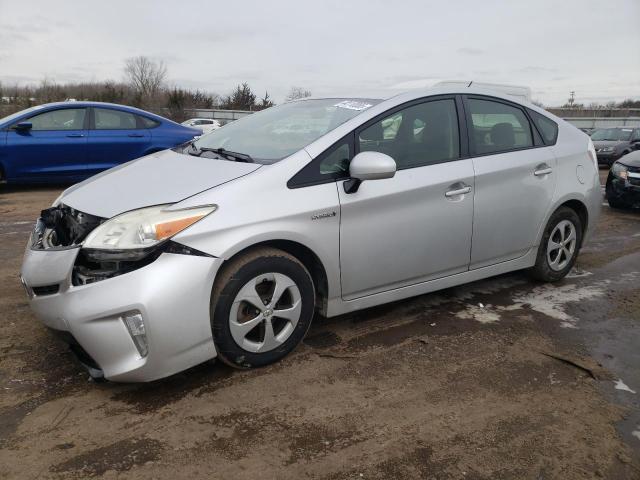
(613, 143)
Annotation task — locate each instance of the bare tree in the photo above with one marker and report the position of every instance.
(297, 92)
(146, 77)
(50, 91)
(265, 102)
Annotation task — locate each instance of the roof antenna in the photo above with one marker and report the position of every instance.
(470, 83)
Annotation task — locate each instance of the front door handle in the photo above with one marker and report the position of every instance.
(542, 170)
(75, 135)
(458, 191)
(136, 135)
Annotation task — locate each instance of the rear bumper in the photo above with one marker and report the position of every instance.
(172, 294)
(607, 158)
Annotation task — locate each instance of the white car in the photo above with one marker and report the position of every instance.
(205, 124)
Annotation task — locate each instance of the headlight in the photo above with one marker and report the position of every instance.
(144, 228)
(620, 170)
(608, 149)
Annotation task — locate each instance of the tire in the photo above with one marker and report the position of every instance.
(249, 334)
(553, 264)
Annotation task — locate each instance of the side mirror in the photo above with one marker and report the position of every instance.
(23, 126)
(369, 166)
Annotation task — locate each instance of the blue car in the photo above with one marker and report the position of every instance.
(70, 141)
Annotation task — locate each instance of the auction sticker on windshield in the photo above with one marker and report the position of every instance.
(353, 105)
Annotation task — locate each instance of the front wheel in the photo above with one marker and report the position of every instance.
(559, 247)
(261, 308)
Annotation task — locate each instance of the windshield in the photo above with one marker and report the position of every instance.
(613, 134)
(13, 116)
(277, 132)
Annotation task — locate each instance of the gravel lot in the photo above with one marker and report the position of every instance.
(503, 378)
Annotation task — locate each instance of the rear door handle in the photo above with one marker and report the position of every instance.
(542, 170)
(136, 135)
(75, 135)
(458, 191)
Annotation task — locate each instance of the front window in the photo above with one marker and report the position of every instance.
(612, 134)
(277, 132)
(15, 116)
(418, 135)
(63, 119)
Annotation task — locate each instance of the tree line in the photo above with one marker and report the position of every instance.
(145, 86)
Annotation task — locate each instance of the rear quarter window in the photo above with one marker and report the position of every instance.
(547, 127)
(148, 122)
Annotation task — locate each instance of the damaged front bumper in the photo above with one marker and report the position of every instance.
(91, 311)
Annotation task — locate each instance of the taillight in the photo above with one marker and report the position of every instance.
(592, 154)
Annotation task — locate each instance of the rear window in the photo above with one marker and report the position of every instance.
(107, 119)
(498, 127)
(547, 127)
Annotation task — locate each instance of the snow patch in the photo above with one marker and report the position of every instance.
(550, 300)
(484, 314)
(578, 273)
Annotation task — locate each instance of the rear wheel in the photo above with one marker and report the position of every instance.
(559, 247)
(261, 308)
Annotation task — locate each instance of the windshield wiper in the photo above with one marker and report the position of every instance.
(228, 154)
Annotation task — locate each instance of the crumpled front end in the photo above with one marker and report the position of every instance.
(127, 319)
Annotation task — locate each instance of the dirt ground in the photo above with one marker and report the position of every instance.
(500, 379)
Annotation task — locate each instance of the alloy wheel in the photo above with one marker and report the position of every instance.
(561, 245)
(265, 312)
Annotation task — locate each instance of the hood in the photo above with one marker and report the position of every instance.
(631, 159)
(163, 177)
(608, 143)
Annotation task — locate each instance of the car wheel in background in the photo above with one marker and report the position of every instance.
(261, 307)
(559, 246)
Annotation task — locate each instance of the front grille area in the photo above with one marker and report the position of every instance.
(45, 290)
(632, 180)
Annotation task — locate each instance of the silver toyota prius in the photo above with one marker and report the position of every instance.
(228, 246)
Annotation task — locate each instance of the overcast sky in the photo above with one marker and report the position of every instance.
(342, 47)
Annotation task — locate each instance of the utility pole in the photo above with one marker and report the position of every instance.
(572, 98)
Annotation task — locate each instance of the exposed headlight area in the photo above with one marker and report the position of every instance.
(607, 149)
(94, 265)
(133, 240)
(116, 246)
(61, 226)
